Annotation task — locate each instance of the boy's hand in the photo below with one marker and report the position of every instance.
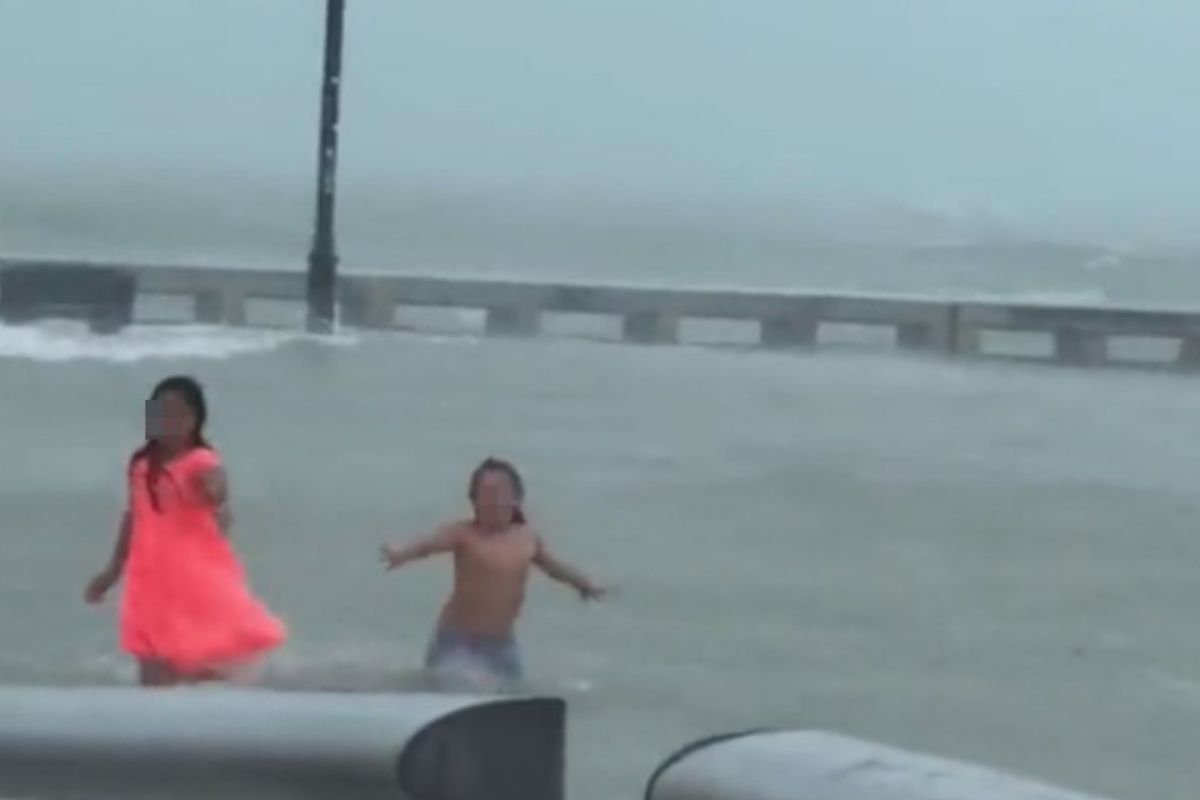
(390, 557)
(591, 592)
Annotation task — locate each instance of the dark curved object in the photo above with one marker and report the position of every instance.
(500, 750)
(692, 747)
(101, 296)
(230, 744)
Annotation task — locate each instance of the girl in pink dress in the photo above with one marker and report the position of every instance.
(187, 613)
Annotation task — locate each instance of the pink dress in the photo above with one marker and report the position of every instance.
(186, 600)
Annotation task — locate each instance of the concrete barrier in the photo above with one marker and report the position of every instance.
(103, 298)
(214, 744)
(1080, 336)
(813, 765)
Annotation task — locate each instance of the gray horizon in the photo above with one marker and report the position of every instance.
(1036, 118)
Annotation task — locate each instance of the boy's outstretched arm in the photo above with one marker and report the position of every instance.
(565, 573)
(443, 541)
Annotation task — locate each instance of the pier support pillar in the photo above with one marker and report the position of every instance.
(1080, 348)
(966, 341)
(513, 321)
(923, 336)
(963, 335)
(650, 327)
(797, 328)
(1189, 353)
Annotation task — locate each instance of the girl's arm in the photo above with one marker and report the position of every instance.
(565, 573)
(214, 486)
(443, 541)
(108, 577)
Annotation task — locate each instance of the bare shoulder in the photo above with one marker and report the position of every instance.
(452, 533)
(532, 538)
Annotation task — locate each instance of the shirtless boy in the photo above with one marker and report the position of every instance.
(493, 553)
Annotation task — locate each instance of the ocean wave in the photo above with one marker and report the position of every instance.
(1081, 296)
(64, 341)
(1066, 297)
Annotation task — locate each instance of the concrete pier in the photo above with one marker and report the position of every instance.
(1074, 335)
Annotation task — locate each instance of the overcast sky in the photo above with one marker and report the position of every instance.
(1058, 112)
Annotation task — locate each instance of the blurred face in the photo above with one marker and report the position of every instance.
(169, 419)
(495, 500)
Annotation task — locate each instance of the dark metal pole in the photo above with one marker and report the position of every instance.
(322, 259)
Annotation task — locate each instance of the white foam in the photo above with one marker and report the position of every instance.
(1081, 296)
(63, 341)
(1180, 687)
(1067, 297)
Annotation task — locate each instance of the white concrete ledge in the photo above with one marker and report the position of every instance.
(215, 744)
(813, 765)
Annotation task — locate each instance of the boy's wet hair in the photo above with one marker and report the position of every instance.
(506, 469)
(192, 394)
